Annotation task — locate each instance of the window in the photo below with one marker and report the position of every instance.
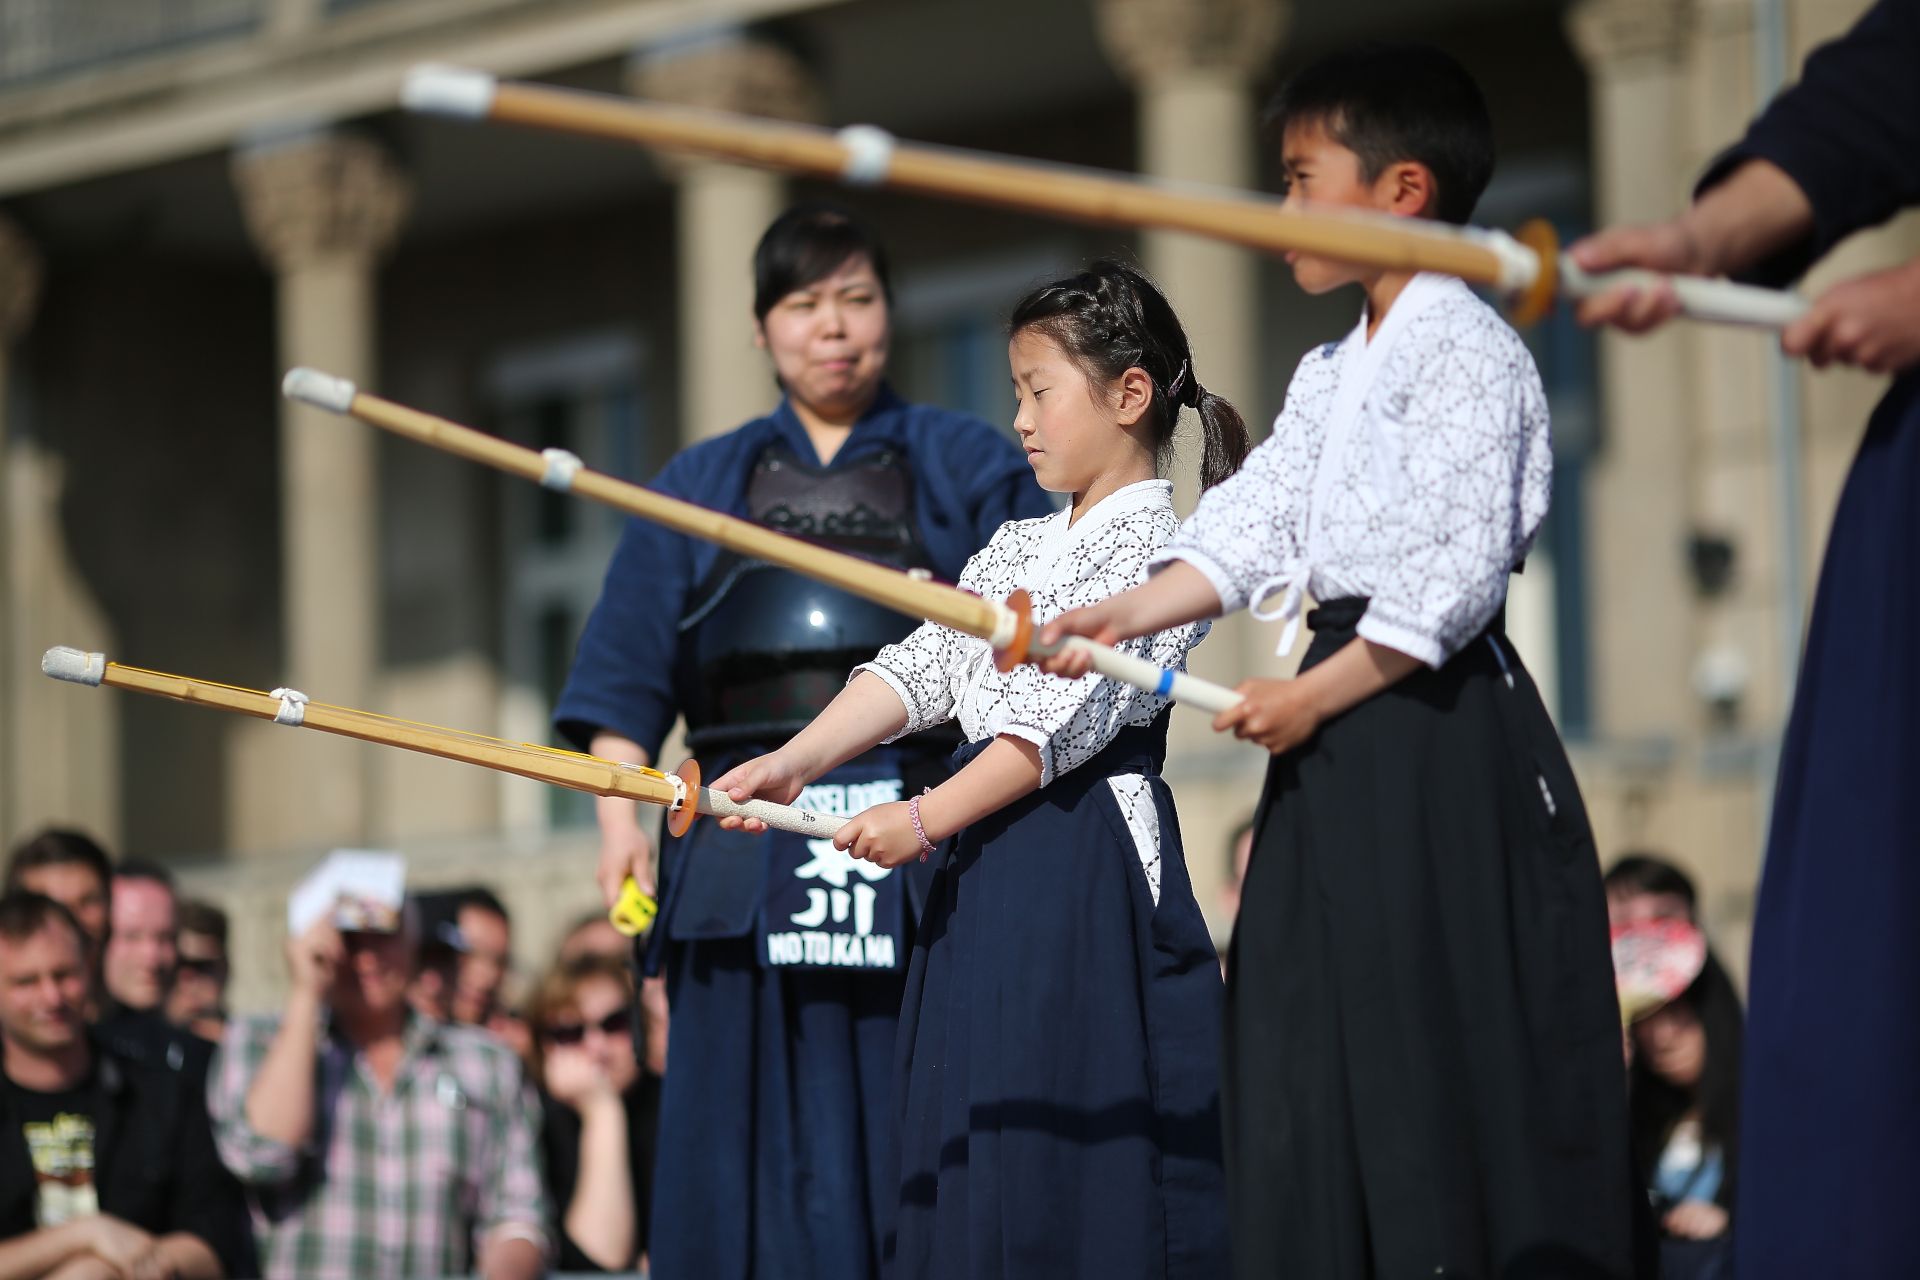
(950, 328)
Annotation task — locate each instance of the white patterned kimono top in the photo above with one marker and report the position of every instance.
(941, 674)
(1414, 469)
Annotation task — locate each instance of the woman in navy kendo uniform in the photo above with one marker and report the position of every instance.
(784, 958)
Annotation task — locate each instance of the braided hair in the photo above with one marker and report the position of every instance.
(1110, 318)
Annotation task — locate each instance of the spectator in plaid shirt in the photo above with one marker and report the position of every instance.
(375, 1142)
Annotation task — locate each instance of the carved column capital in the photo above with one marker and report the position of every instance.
(734, 72)
(21, 274)
(1149, 40)
(1609, 32)
(316, 197)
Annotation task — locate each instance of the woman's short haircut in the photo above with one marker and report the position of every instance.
(805, 245)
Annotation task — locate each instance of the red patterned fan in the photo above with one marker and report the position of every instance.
(1654, 961)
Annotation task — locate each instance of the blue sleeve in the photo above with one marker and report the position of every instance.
(1848, 135)
(622, 676)
(995, 483)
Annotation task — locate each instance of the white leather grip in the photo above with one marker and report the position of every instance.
(1721, 301)
(781, 817)
(1191, 691)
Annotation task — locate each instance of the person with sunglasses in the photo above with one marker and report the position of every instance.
(198, 999)
(599, 1110)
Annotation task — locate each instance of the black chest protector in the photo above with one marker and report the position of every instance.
(764, 649)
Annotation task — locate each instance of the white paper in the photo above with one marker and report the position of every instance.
(362, 888)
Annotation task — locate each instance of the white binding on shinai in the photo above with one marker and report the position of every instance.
(76, 666)
(321, 390)
(562, 467)
(1519, 265)
(293, 707)
(869, 154)
(437, 90)
(679, 785)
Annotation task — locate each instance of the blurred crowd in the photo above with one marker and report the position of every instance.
(417, 1107)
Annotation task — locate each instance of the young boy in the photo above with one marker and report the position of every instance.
(1423, 1069)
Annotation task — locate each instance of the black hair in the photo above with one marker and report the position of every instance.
(24, 913)
(1389, 103)
(1655, 1104)
(808, 243)
(1110, 318)
(485, 899)
(196, 916)
(144, 869)
(59, 847)
(1649, 873)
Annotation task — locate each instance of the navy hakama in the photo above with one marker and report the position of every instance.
(1058, 1073)
(1058, 1069)
(774, 1125)
(1830, 1111)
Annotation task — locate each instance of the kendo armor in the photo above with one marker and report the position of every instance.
(766, 649)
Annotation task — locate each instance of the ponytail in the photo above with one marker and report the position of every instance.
(1223, 438)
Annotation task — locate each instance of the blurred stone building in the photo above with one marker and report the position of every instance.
(196, 195)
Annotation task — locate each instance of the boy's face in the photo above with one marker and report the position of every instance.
(1320, 173)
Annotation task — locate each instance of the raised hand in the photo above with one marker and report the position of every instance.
(313, 958)
(574, 1077)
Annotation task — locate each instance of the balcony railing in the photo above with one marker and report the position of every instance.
(44, 39)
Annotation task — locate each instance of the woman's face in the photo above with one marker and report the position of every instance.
(1673, 1043)
(828, 341)
(603, 1019)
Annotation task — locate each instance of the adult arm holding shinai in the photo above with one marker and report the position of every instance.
(1833, 155)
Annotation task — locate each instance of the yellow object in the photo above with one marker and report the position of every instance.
(633, 914)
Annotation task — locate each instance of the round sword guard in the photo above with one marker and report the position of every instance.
(680, 820)
(1532, 303)
(1016, 651)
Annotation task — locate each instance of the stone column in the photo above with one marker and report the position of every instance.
(59, 754)
(323, 210)
(722, 210)
(1194, 65)
(1643, 607)
(20, 278)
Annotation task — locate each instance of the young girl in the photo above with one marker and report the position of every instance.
(1057, 1073)
(1423, 1071)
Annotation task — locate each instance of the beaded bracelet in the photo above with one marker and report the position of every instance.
(913, 814)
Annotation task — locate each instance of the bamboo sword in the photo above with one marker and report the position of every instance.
(1008, 627)
(1529, 268)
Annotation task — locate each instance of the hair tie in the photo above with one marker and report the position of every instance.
(1184, 389)
(1175, 387)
